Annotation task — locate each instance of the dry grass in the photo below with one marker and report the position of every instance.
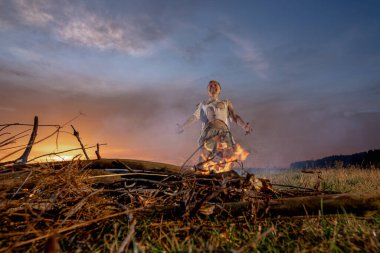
(81, 215)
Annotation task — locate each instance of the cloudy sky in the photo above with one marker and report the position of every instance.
(306, 74)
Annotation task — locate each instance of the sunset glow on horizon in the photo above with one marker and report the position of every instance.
(305, 74)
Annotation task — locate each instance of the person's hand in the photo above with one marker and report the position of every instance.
(247, 128)
(179, 129)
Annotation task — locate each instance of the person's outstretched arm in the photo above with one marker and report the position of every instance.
(238, 120)
(193, 118)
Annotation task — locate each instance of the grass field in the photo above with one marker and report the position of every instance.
(322, 233)
(340, 179)
(246, 233)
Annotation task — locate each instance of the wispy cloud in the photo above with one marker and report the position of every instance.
(77, 25)
(33, 12)
(91, 30)
(26, 54)
(250, 55)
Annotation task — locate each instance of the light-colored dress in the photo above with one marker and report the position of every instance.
(215, 120)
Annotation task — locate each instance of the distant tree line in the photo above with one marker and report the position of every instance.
(364, 159)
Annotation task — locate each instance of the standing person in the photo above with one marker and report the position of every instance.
(215, 115)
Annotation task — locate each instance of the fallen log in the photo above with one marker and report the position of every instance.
(133, 164)
(355, 203)
(101, 164)
(352, 203)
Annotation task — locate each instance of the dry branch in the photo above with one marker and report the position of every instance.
(76, 134)
(13, 138)
(97, 151)
(18, 150)
(30, 173)
(58, 128)
(24, 157)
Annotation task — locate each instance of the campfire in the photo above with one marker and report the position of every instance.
(217, 149)
(223, 159)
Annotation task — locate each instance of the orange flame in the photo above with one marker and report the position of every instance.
(226, 157)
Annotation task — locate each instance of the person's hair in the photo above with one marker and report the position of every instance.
(214, 81)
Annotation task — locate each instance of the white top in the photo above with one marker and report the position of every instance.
(209, 111)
